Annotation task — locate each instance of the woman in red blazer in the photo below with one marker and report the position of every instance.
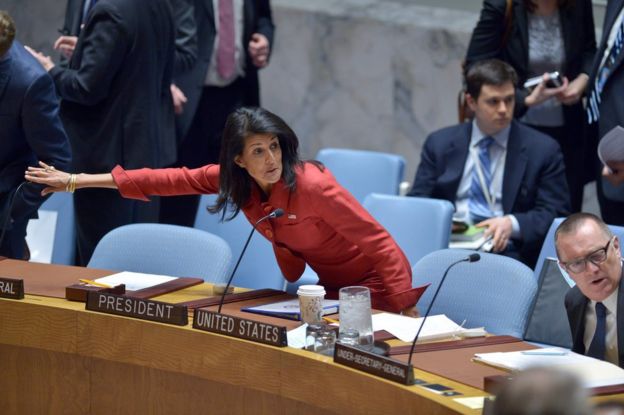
(260, 171)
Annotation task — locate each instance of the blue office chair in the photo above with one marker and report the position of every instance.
(258, 268)
(419, 225)
(496, 292)
(64, 247)
(173, 250)
(363, 172)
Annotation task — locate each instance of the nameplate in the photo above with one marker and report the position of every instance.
(374, 364)
(11, 288)
(137, 308)
(240, 327)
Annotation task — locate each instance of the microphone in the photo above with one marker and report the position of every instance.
(275, 214)
(469, 258)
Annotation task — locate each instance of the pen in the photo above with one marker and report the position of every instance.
(331, 320)
(97, 284)
(544, 353)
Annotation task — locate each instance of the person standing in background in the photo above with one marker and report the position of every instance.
(117, 106)
(234, 39)
(605, 105)
(30, 131)
(545, 36)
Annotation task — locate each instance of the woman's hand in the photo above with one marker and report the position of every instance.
(411, 311)
(541, 92)
(55, 180)
(573, 93)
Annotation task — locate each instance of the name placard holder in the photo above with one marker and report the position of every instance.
(11, 288)
(137, 308)
(239, 327)
(374, 364)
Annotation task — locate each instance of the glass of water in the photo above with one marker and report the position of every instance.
(355, 314)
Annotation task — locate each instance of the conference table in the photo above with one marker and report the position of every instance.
(57, 357)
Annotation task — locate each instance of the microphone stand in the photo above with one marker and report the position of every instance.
(275, 214)
(469, 258)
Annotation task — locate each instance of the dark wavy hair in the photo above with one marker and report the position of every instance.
(235, 183)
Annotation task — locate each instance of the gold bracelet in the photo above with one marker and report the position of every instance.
(71, 184)
(68, 183)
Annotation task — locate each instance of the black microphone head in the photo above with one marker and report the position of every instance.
(474, 257)
(277, 213)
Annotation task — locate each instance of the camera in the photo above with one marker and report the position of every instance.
(554, 81)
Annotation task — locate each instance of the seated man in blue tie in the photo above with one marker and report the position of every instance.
(590, 253)
(499, 173)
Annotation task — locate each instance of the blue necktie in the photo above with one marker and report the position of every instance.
(478, 203)
(597, 347)
(87, 9)
(593, 101)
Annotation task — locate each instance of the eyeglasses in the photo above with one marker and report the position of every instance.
(597, 257)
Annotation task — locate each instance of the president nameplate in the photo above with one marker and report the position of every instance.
(137, 308)
(239, 327)
(11, 288)
(374, 364)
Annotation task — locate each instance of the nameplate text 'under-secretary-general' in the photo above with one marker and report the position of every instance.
(11, 288)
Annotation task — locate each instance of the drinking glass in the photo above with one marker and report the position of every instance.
(355, 314)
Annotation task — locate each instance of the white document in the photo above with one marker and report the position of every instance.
(592, 372)
(405, 328)
(611, 146)
(40, 236)
(297, 337)
(135, 280)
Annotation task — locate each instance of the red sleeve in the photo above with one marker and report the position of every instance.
(343, 212)
(142, 183)
(291, 265)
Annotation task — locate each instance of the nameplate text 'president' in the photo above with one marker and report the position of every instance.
(240, 327)
(374, 364)
(11, 288)
(137, 308)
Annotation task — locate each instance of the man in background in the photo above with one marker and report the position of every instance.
(500, 174)
(117, 107)
(30, 131)
(234, 39)
(590, 253)
(605, 106)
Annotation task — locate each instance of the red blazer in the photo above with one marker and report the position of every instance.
(323, 225)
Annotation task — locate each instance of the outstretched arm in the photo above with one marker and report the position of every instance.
(60, 181)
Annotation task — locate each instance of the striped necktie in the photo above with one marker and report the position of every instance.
(225, 45)
(593, 101)
(478, 204)
(597, 348)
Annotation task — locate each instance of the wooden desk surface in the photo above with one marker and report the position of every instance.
(55, 357)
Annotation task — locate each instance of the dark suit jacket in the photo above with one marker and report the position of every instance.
(534, 185)
(30, 128)
(577, 27)
(116, 103)
(184, 19)
(257, 19)
(576, 305)
(611, 102)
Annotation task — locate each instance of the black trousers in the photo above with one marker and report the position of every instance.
(202, 145)
(13, 243)
(98, 211)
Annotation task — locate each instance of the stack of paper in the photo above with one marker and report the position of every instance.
(592, 372)
(290, 308)
(405, 328)
(135, 280)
